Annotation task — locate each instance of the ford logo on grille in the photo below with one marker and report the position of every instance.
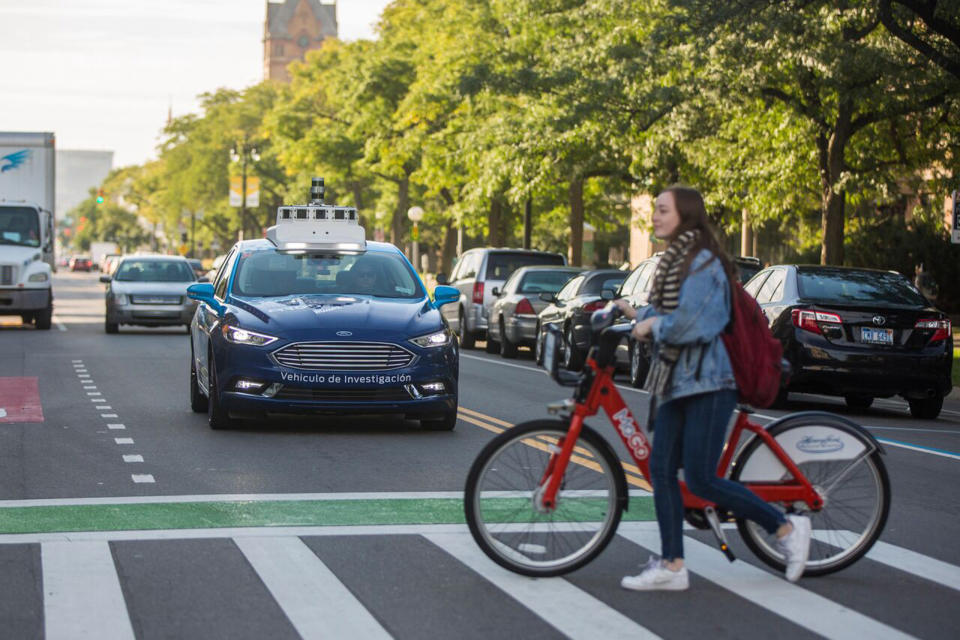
(828, 444)
(879, 321)
(344, 334)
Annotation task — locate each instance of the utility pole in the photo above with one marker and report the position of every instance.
(527, 216)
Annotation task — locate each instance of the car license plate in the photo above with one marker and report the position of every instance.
(876, 336)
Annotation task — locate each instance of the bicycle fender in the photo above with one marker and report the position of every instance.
(854, 427)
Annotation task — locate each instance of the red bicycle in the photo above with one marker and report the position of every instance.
(545, 497)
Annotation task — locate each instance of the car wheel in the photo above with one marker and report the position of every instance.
(926, 409)
(860, 403)
(445, 423)
(217, 416)
(467, 340)
(507, 348)
(639, 365)
(198, 401)
(44, 318)
(111, 327)
(538, 347)
(572, 358)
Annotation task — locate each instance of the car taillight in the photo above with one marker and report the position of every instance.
(941, 328)
(478, 292)
(810, 320)
(524, 308)
(596, 305)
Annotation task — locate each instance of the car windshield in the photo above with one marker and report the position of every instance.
(501, 265)
(265, 274)
(154, 271)
(747, 270)
(594, 286)
(20, 226)
(545, 281)
(863, 287)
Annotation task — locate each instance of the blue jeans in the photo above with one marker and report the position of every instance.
(693, 428)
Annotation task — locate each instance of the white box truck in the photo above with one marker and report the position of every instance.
(27, 165)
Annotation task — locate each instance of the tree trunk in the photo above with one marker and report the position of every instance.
(527, 222)
(575, 249)
(400, 213)
(831, 152)
(495, 223)
(746, 246)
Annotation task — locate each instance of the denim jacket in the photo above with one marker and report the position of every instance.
(702, 313)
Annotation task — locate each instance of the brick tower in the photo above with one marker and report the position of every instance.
(292, 28)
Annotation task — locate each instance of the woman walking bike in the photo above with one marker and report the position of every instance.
(693, 391)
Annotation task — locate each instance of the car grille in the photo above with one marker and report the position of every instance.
(155, 299)
(8, 274)
(383, 394)
(343, 356)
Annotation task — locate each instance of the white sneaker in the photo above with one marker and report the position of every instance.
(795, 546)
(656, 577)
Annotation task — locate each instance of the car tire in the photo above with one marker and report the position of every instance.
(467, 341)
(492, 345)
(572, 358)
(445, 423)
(44, 318)
(639, 365)
(926, 409)
(198, 401)
(111, 327)
(859, 403)
(217, 416)
(507, 349)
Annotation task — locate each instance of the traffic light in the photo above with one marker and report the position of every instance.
(99, 196)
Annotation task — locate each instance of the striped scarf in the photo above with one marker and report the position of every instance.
(665, 296)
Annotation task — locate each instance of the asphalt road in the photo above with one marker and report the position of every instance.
(123, 515)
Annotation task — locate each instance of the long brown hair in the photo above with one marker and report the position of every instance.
(693, 215)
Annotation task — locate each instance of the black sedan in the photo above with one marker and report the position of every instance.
(858, 333)
(571, 307)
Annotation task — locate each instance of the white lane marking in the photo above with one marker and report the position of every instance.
(558, 602)
(94, 393)
(774, 593)
(108, 415)
(89, 386)
(97, 399)
(82, 595)
(317, 603)
(907, 561)
(142, 478)
(116, 425)
(947, 431)
(76, 361)
(84, 375)
(60, 325)
(919, 449)
(538, 370)
(81, 370)
(104, 407)
(133, 458)
(123, 440)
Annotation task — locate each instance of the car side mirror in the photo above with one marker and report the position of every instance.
(548, 297)
(442, 278)
(608, 294)
(203, 292)
(445, 295)
(105, 279)
(496, 292)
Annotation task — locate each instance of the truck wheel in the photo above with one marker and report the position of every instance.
(44, 317)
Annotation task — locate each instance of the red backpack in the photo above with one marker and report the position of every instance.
(754, 353)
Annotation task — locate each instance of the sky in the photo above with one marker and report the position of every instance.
(101, 74)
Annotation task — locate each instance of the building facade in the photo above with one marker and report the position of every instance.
(292, 28)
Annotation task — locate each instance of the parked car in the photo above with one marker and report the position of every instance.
(111, 264)
(149, 291)
(632, 355)
(81, 263)
(570, 310)
(513, 316)
(197, 267)
(477, 273)
(747, 267)
(858, 333)
(106, 260)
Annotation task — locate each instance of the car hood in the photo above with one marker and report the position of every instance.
(302, 317)
(150, 288)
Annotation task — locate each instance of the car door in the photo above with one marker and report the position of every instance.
(466, 278)
(770, 294)
(208, 318)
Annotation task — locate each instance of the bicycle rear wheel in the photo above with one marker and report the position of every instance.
(504, 485)
(844, 465)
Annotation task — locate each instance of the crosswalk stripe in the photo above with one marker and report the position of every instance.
(570, 610)
(912, 562)
(82, 595)
(313, 598)
(790, 601)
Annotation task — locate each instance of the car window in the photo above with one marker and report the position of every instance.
(511, 284)
(269, 273)
(501, 265)
(570, 289)
(646, 278)
(468, 266)
(773, 283)
(627, 287)
(598, 283)
(755, 283)
(843, 285)
(155, 271)
(747, 270)
(544, 281)
(223, 274)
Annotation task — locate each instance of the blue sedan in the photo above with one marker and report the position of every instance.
(300, 333)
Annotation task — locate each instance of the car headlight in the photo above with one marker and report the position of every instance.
(39, 277)
(120, 299)
(438, 339)
(237, 335)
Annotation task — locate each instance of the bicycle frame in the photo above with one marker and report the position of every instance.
(603, 394)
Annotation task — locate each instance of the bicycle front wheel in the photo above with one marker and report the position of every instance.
(504, 511)
(845, 467)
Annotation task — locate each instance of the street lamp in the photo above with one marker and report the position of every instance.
(416, 215)
(242, 152)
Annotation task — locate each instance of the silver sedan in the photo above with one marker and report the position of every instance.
(513, 316)
(149, 291)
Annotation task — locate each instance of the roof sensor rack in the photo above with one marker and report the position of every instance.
(317, 227)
